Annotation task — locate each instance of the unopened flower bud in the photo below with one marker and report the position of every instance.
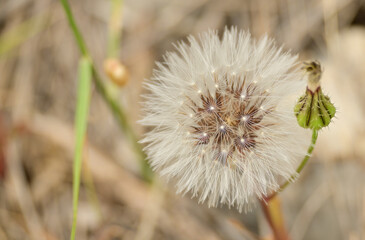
(116, 71)
(314, 110)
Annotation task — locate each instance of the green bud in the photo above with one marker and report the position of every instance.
(302, 110)
(328, 105)
(314, 110)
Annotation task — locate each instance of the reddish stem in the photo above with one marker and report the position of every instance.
(273, 215)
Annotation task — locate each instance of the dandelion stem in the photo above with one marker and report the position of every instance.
(300, 167)
(270, 204)
(274, 217)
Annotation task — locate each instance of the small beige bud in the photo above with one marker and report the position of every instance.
(314, 71)
(116, 71)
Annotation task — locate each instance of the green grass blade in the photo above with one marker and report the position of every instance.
(113, 104)
(82, 109)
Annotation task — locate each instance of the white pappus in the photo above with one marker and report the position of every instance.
(220, 113)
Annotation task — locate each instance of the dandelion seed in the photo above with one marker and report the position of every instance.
(244, 118)
(238, 164)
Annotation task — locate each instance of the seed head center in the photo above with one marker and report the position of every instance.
(229, 121)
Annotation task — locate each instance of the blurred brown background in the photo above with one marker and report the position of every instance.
(38, 70)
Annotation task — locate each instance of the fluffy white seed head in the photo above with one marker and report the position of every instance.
(222, 118)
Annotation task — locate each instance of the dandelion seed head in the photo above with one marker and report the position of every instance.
(241, 89)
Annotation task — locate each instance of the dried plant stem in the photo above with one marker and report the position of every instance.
(22, 192)
(115, 27)
(274, 217)
(300, 167)
(114, 39)
(21, 33)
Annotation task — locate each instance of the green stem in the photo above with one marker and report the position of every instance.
(79, 39)
(114, 106)
(270, 204)
(122, 120)
(300, 167)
